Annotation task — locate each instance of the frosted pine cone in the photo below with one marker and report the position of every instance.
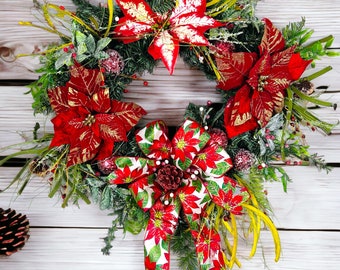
(13, 231)
(243, 160)
(107, 165)
(114, 63)
(219, 137)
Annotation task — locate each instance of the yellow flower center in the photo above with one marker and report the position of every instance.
(181, 144)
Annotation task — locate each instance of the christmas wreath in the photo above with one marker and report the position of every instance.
(192, 188)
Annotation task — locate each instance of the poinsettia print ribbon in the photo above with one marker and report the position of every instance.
(186, 24)
(185, 174)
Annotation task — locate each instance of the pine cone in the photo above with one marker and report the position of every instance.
(13, 231)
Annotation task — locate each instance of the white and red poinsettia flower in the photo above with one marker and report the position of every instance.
(87, 119)
(185, 24)
(261, 80)
(188, 173)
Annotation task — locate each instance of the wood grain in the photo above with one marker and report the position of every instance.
(71, 238)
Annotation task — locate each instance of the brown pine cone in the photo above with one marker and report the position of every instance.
(13, 231)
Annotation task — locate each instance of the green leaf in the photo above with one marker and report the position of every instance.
(123, 161)
(80, 37)
(102, 43)
(149, 133)
(64, 59)
(90, 43)
(155, 253)
(213, 187)
(106, 198)
(101, 55)
(95, 182)
(81, 49)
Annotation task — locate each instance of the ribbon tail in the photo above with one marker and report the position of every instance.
(161, 226)
(209, 251)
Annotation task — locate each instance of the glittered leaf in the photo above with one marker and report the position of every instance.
(165, 47)
(87, 81)
(262, 107)
(137, 21)
(129, 113)
(234, 68)
(272, 39)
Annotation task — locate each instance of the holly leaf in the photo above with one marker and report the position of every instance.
(234, 68)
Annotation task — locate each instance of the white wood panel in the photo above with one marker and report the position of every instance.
(73, 249)
(70, 238)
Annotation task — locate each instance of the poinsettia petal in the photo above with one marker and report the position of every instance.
(213, 160)
(100, 101)
(130, 169)
(234, 68)
(165, 47)
(86, 148)
(153, 140)
(130, 31)
(190, 35)
(87, 81)
(187, 142)
(137, 21)
(272, 39)
(297, 66)
(197, 21)
(138, 10)
(111, 127)
(105, 150)
(78, 99)
(226, 193)
(194, 198)
(237, 113)
(58, 99)
(128, 112)
(61, 136)
(188, 6)
(262, 107)
(145, 192)
(160, 228)
(261, 68)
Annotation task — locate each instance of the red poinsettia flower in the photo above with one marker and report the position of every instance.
(184, 145)
(262, 80)
(162, 222)
(208, 240)
(174, 177)
(87, 119)
(186, 23)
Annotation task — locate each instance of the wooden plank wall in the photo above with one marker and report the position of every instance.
(307, 216)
